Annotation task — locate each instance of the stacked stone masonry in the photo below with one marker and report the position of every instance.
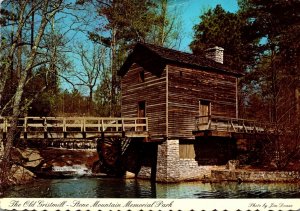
(255, 176)
(168, 161)
(145, 172)
(190, 170)
(170, 168)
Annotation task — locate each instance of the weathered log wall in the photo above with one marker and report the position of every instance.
(186, 87)
(152, 91)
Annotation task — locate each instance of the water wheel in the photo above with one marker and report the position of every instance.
(110, 151)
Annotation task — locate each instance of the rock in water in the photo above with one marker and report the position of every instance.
(20, 175)
(32, 157)
(129, 175)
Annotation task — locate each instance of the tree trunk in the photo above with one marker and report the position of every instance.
(17, 101)
(9, 59)
(113, 72)
(90, 104)
(5, 164)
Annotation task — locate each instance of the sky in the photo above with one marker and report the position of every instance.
(192, 9)
(189, 10)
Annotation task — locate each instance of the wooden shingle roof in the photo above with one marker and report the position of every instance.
(155, 57)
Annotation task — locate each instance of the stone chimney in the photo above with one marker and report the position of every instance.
(215, 53)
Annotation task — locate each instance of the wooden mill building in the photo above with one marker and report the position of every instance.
(172, 88)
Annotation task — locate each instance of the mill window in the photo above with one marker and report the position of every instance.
(142, 76)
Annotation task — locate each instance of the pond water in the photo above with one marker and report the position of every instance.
(131, 188)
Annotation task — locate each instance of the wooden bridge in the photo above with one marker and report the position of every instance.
(76, 127)
(223, 126)
(93, 127)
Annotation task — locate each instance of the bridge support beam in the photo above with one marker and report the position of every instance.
(167, 169)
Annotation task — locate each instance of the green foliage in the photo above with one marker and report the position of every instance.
(129, 20)
(67, 103)
(103, 101)
(166, 29)
(225, 29)
(7, 16)
(278, 21)
(277, 71)
(43, 103)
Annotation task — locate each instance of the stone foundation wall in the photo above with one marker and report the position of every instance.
(255, 176)
(190, 170)
(168, 161)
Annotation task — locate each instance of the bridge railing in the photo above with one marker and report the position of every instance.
(219, 123)
(76, 124)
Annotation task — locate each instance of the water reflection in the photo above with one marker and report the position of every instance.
(229, 190)
(118, 188)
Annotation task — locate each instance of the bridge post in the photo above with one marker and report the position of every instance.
(123, 127)
(147, 124)
(64, 128)
(25, 127)
(83, 125)
(99, 127)
(154, 165)
(45, 129)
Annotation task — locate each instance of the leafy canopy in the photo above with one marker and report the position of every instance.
(227, 30)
